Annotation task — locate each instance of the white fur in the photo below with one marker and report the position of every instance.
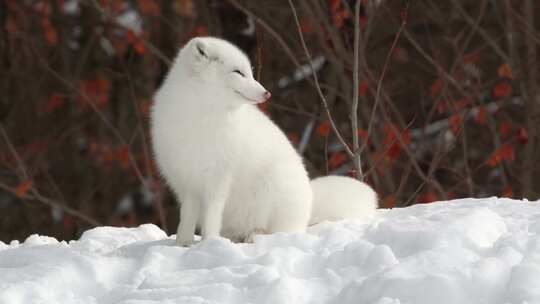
(340, 197)
(233, 170)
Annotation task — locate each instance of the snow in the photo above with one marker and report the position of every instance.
(130, 19)
(71, 7)
(461, 251)
(302, 72)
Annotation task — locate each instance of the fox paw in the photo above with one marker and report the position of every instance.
(251, 237)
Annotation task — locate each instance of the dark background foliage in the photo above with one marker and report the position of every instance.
(449, 104)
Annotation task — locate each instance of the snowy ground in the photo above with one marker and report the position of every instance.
(464, 251)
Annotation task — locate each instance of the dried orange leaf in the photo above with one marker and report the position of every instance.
(505, 152)
(436, 87)
(23, 187)
(480, 116)
(336, 160)
(502, 89)
(505, 71)
(507, 192)
(455, 122)
(522, 136)
(363, 87)
(323, 129)
(55, 101)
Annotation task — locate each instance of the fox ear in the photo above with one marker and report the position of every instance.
(200, 49)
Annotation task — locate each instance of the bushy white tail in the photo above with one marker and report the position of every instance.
(340, 197)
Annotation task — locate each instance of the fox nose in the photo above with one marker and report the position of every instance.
(267, 95)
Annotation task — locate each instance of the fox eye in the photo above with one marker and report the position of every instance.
(240, 73)
(201, 52)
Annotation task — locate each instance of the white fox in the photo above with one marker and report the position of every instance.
(341, 197)
(233, 170)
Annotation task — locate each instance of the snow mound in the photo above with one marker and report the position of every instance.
(463, 251)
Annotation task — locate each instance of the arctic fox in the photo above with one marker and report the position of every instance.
(233, 170)
(340, 197)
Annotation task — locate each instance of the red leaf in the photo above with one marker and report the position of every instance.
(363, 21)
(362, 133)
(389, 201)
(115, 5)
(463, 102)
(96, 90)
(394, 151)
(323, 129)
(69, 224)
(139, 47)
(306, 27)
(264, 107)
(504, 129)
(522, 136)
(293, 137)
(37, 146)
(334, 5)
(336, 159)
(149, 7)
(427, 197)
(394, 143)
(401, 55)
(51, 35)
(441, 106)
(107, 155)
(505, 71)
(185, 8)
(363, 87)
(55, 101)
(455, 122)
(201, 30)
(436, 87)
(338, 13)
(502, 89)
(339, 17)
(122, 155)
(505, 152)
(136, 41)
(23, 187)
(480, 116)
(390, 134)
(508, 192)
(471, 58)
(351, 173)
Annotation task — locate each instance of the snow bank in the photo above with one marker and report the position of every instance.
(463, 251)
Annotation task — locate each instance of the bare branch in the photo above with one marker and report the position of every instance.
(354, 111)
(318, 87)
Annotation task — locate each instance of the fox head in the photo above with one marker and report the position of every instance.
(224, 69)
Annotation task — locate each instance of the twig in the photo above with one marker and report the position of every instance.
(18, 159)
(259, 35)
(383, 73)
(150, 46)
(36, 196)
(100, 114)
(482, 32)
(35, 193)
(439, 68)
(270, 30)
(317, 86)
(144, 182)
(306, 135)
(532, 104)
(357, 161)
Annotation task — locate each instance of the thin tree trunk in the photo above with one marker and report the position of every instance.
(532, 106)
